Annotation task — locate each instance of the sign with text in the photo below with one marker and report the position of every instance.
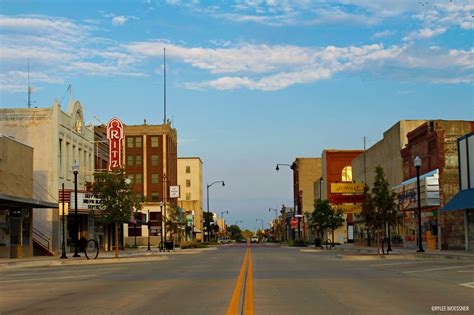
(174, 192)
(346, 198)
(66, 208)
(356, 208)
(429, 192)
(115, 137)
(343, 188)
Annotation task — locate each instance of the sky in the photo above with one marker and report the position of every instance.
(250, 83)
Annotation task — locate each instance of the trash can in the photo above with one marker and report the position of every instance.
(317, 242)
(169, 245)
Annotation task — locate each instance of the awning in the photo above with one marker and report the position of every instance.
(461, 201)
(21, 202)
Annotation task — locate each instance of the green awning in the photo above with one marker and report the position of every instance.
(461, 201)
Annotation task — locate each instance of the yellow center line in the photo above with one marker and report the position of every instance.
(234, 302)
(248, 298)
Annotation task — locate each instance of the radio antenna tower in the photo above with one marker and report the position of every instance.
(29, 87)
(164, 85)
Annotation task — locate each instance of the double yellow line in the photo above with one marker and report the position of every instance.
(246, 287)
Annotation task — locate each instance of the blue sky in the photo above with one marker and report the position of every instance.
(251, 83)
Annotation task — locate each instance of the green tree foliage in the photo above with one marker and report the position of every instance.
(116, 197)
(368, 212)
(172, 215)
(235, 233)
(321, 216)
(247, 234)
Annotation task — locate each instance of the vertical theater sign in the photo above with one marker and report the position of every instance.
(115, 137)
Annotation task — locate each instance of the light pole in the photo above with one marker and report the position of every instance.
(164, 199)
(63, 244)
(149, 230)
(209, 221)
(298, 206)
(75, 170)
(262, 223)
(417, 163)
(320, 187)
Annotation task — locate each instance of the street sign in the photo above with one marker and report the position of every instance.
(342, 188)
(355, 208)
(115, 136)
(294, 223)
(298, 216)
(174, 192)
(337, 198)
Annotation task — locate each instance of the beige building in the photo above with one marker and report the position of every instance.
(385, 153)
(190, 182)
(59, 138)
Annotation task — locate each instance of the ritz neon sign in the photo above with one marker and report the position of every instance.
(115, 137)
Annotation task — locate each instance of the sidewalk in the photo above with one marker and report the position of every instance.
(126, 256)
(432, 254)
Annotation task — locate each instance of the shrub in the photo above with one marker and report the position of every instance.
(187, 245)
(298, 243)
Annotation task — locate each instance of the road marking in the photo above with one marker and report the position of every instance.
(248, 297)
(49, 278)
(437, 269)
(468, 285)
(234, 302)
(466, 271)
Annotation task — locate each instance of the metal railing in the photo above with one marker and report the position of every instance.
(42, 239)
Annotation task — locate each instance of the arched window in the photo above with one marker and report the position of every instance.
(347, 174)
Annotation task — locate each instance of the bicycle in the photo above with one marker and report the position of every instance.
(90, 248)
(329, 244)
(385, 251)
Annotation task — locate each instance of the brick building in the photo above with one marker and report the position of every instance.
(435, 142)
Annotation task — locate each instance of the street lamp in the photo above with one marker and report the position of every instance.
(162, 248)
(63, 244)
(208, 221)
(417, 163)
(75, 170)
(149, 230)
(320, 187)
(262, 223)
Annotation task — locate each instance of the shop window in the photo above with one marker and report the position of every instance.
(347, 174)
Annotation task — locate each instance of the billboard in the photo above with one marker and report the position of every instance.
(115, 137)
(344, 188)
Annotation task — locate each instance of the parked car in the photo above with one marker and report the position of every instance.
(254, 239)
(223, 240)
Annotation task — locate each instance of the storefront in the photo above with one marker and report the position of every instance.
(408, 205)
(16, 225)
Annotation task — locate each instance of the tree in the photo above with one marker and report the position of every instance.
(247, 234)
(116, 199)
(235, 232)
(320, 218)
(368, 212)
(171, 221)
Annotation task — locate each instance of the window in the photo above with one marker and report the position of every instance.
(131, 178)
(188, 196)
(155, 196)
(138, 178)
(138, 198)
(138, 142)
(60, 157)
(188, 169)
(138, 160)
(134, 230)
(155, 160)
(155, 178)
(154, 142)
(188, 183)
(129, 142)
(130, 160)
(347, 174)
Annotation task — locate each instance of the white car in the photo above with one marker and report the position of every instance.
(254, 239)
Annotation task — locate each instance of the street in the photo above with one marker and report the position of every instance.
(281, 280)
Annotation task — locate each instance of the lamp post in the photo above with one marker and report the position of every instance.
(297, 197)
(75, 170)
(262, 223)
(63, 244)
(149, 230)
(320, 187)
(417, 163)
(238, 222)
(208, 221)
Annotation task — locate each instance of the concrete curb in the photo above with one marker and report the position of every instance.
(356, 257)
(78, 262)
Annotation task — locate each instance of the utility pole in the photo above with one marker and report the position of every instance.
(164, 85)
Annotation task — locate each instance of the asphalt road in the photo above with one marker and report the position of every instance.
(264, 280)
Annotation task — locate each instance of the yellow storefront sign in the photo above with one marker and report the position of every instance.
(348, 208)
(344, 188)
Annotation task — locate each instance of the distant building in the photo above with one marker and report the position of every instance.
(59, 138)
(191, 199)
(305, 172)
(151, 163)
(16, 202)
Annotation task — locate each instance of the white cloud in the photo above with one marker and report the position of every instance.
(119, 20)
(383, 34)
(425, 33)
